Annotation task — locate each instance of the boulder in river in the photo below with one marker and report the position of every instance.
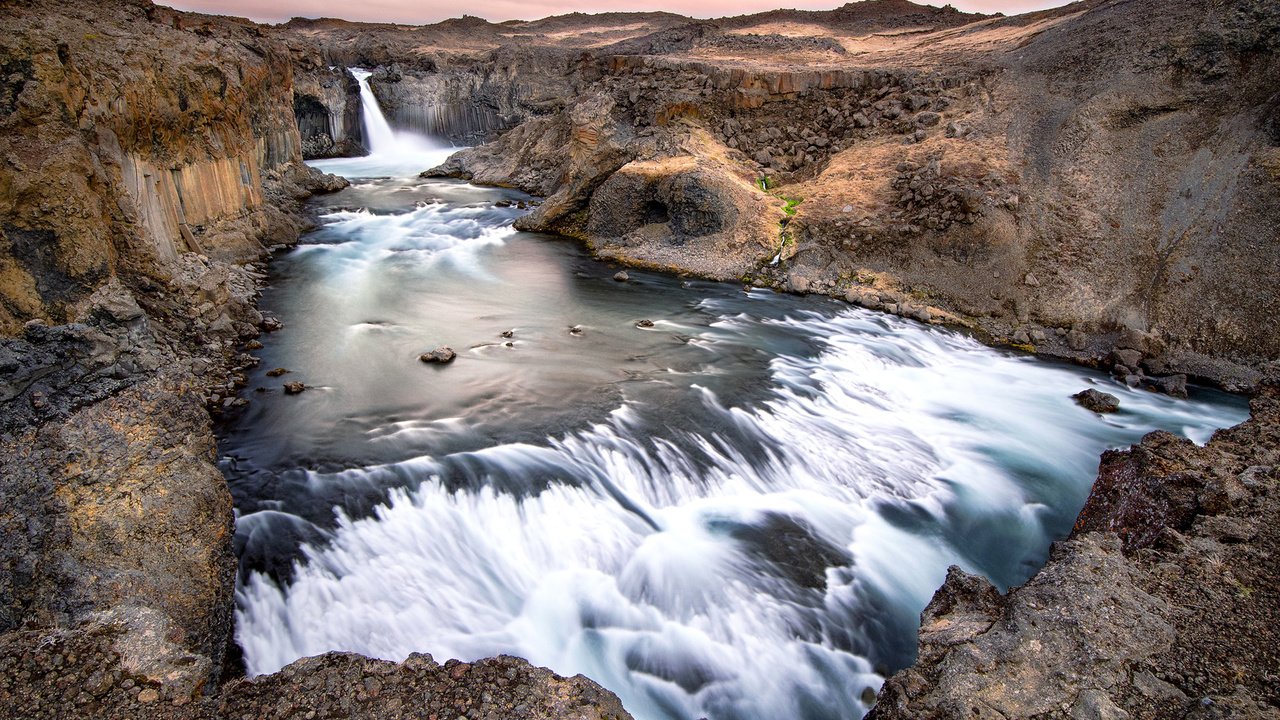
(294, 388)
(276, 372)
(441, 355)
(646, 323)
(1097, 401)
(621, 276)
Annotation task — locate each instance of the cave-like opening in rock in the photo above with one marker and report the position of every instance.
(655, 211)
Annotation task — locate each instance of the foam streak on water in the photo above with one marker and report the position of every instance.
(737, 514)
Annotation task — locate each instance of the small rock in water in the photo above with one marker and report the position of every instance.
(253, 345)
(440, 355)
(510, 344)
(293, 388)
(645, 323)
(277, 372)
(575, 330)
(621, 276)
(1097, 401)
(508, 333)
(270, 324)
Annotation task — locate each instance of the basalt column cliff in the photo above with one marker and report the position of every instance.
(150, 158)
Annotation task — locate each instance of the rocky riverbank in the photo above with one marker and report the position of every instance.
(1163, 603)
(152, 161)
(1035, 178)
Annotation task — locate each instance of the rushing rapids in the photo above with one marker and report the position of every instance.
(737, 512)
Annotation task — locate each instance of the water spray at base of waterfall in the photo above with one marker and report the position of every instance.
(392, 152)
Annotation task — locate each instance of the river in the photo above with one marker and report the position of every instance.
(737, 512)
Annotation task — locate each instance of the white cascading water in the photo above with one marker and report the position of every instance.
(746, 527)
(391, 152)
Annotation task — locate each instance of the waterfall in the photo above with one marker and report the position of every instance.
(382, 139)
(392, 152)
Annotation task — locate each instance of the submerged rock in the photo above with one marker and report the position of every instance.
(276, 372)
(440, 355)
(1097, 401)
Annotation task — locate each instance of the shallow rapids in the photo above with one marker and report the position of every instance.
(738, 512)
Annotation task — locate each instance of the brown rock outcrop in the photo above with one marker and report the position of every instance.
(1164, 603)
(959, 160)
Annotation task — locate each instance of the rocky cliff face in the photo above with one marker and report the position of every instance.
(326, 105)
(469, 101)
(121, 155)
(1057, 180)
(151, 158)
(147, 153)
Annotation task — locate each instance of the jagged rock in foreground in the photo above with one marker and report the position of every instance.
(1164, 602)
(56, 674)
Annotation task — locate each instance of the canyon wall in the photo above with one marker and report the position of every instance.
(1037, 178)
(326, 105)
(151, 159)
(148, 155)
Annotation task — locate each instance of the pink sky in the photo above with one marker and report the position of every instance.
(428, 11)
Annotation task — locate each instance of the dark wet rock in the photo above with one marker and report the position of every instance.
(270, 324)
(294, 388)
(575, 330)
(507, 334)
(1097, 401)
(441, 355)
(276, 372)
(645, 323)
(1126, 357)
